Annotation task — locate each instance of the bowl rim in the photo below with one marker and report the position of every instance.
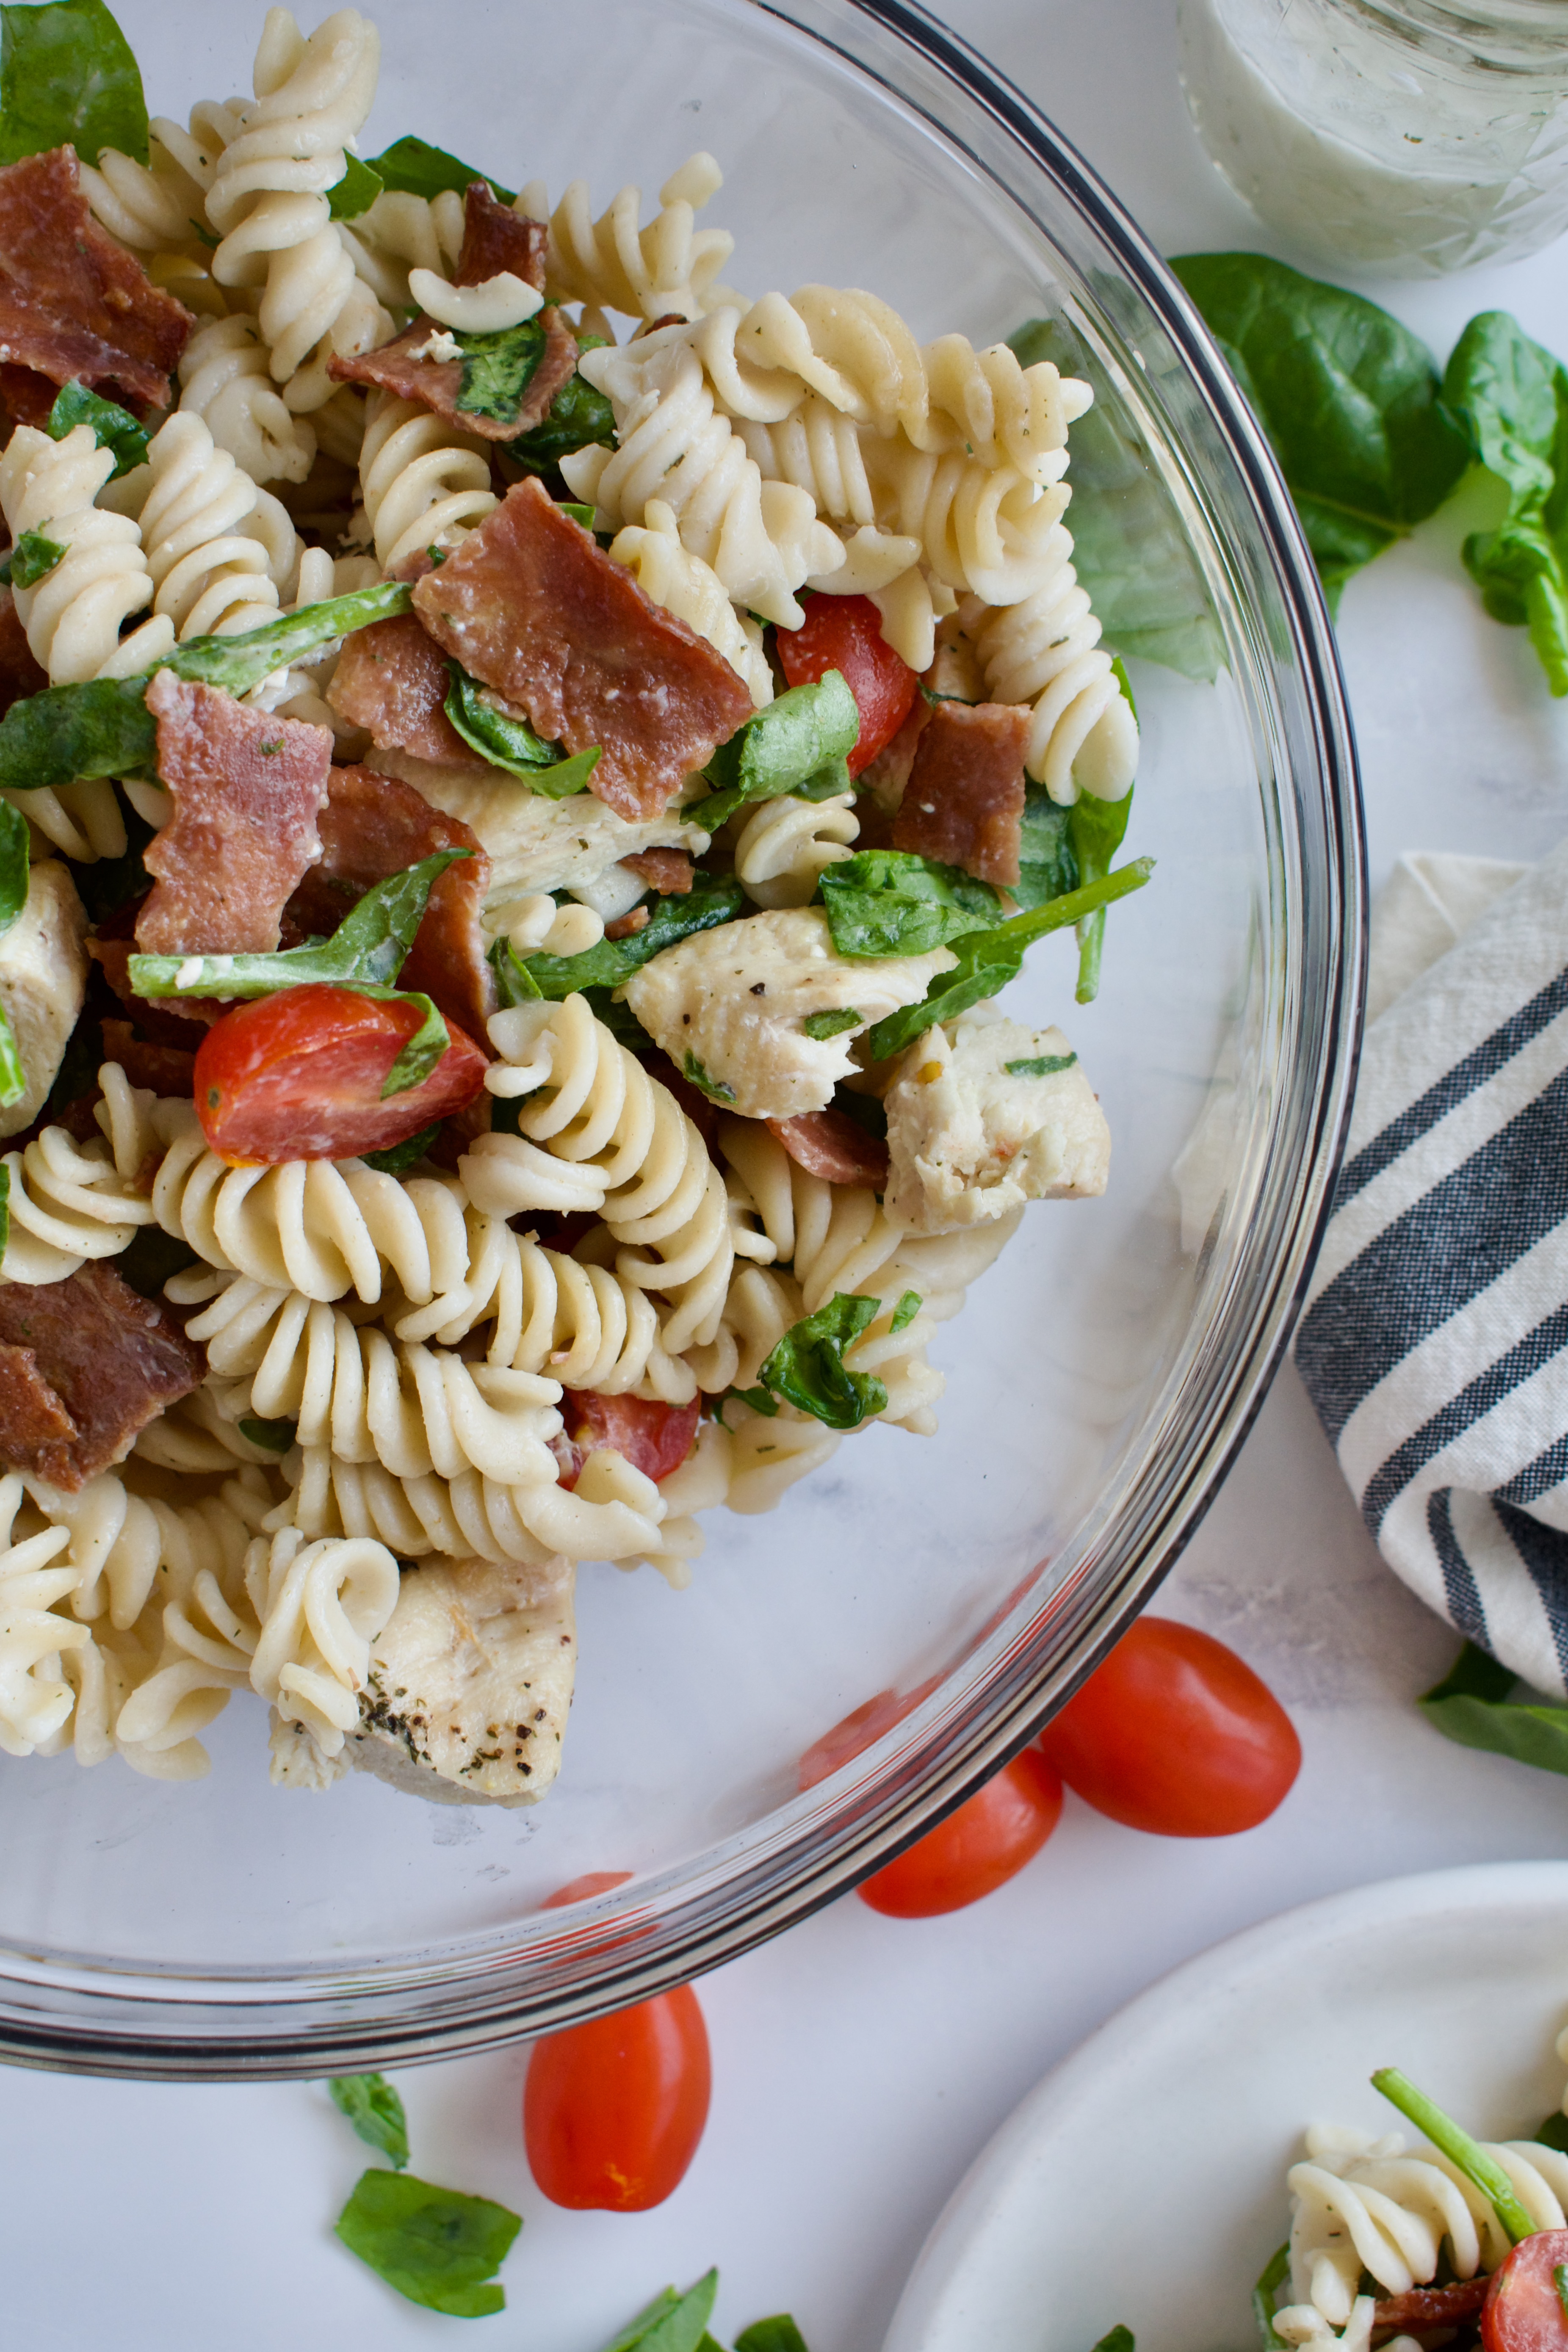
(171, 2022)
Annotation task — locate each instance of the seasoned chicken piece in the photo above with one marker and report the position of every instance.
(974, 1132)
(468, 1686)
(534, 843)
(730, 1007)
(43, 979)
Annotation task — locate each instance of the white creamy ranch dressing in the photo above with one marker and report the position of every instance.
(1366, 145)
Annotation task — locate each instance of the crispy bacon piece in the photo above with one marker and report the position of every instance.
(20, 674)
(247, 789)
(496, 238)
(1430, 2306)
(668, 871)
(533, 607)
(653, 1438)
(965, 799)
(391, 680)
(372, 827)
(72, 302)
(831, 1144)
(28, 396)
(84, 1365)
(625, 927)
(164, 1068)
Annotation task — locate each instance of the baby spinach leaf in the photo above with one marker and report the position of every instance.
(671, 2322)
(783, 748)
(355, 192)
(12, 1074)
(68, 72)
(889, 902)
(712, 898)
(416, 168)
(904, 1313)
(778, 2334)
(33, 558)
(1117, 2339)
(1554, 2132)
(807, 1369)
(515, 984)
(399, 1158)
(112, 427)
(1130, 547)
(511, 744)
(103, 726)
(13, 866)
(1095, 830)
(821, 1025)
(277, 1437)
(579, 417)
(1266, 2297)
(987, 961)
(498, 367)
(1347, 396)
(1512, 399)
(1473, 1704)
(1042, 1065)
(369, 2101)
(1047, 867)
(433, 2245)
(714, 1088)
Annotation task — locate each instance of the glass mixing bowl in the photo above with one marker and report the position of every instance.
(1103, 1373)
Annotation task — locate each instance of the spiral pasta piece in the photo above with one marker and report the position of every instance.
(785, 848)
(69, 1202)
(418, 232)
(72, 616)
(226, 381)
(610, 263)
(422, 482)
(269, 202)
(35, 1698)
(220, 550)
(1045, 650)
(320, 1604)
(615, 1512)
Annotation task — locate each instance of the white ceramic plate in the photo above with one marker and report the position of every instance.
(1142, 2182)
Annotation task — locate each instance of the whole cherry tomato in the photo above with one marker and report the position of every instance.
(298, 1076)
(612, 2110)
(1176, 1734)
(978, 1848)
(1524, 2311)
(845, 633)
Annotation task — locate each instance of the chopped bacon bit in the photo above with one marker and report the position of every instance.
(653, 1438)
(391, 680)
(668, 871)
(247, 788)
(530, 604)
(496, 238)
(964, 800)
(1430, 2306)
(72, 302)
(85, 1364)
(831, 1144)
(626, 925)
(164, 1068)
(373, 826)
(20, 674)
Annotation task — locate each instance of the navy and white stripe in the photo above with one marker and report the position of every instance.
(1435, 1343)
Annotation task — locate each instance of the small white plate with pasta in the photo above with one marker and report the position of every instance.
(1143, 2182)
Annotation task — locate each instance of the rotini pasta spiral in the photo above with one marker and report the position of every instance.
(69, 1201)
(320, 1605)
(610, 263)
(35, 1698)
(1045, 650)
(422, 482)
(415, 1410)
(694, 592)
(787, 847)
(762, 539)
(226, 382)
(157, 207)
(73, 615)
(419, 232)
(584, 1100)
(615, 1512)
(985, 531)
(219, 549)
(268, 204)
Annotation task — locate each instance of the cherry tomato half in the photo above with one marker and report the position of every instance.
(653, 1438)
(299, 1076)
(845, 633)
(612, 2110)
(1176, 1734)
(977, 1849)
(1523, 2309)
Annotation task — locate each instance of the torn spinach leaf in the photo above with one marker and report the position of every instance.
(433, 2245)
(103, 726)
(807, 1369)
(797, 745)
(1117, 2339)
(889, 902)
(1512, 399)
(416, 169)
(987, 961)
(112, 427)
(819, 1026)
(32, 559)
(1348, 398)
(579, 417)
(498, 367)
(671, 2322)
(904, 1313)
(715, 1089)
(371, 2105)
(356, 191)
(1130, 547)
(511, 744)
(14, 876)
(1096, 829)
(1473, 1704)
(1266, 2297)
(277, 1437)
(712, 898)
(1041, 1065)
(67, 73)
(1047, 866)
(778, 2334)
(399, 1158)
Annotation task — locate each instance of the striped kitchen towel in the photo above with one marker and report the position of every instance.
(1435, 1341)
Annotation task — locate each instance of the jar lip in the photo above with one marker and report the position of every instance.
(1521, 34)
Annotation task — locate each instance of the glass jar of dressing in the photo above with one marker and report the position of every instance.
(1407, 137)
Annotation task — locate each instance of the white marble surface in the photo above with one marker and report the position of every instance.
(860, 2063)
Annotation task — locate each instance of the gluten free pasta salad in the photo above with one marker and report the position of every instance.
(522, 774)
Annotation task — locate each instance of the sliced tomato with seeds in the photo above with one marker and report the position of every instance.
(845, 633)
(1526, 2309)
(298, 1076)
